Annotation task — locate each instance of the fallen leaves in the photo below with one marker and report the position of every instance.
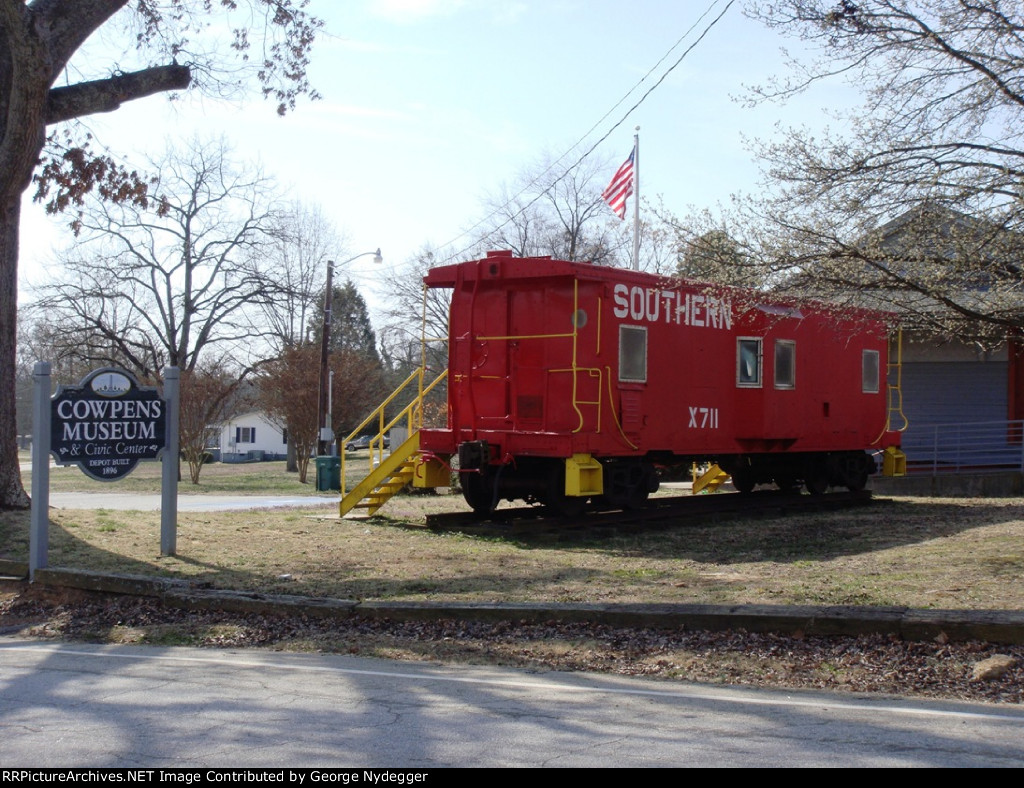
(873, 664)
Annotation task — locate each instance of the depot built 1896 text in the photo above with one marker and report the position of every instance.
(192, 776)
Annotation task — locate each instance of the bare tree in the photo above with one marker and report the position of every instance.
(659, 245)
(515, 222)
(358, 387)
(40, 339)
(207, 398)
(288, 391)
(414, 315)
(712, 249)
(151, 288)
(551, 209)
(547, 210)
(918, 202)
(297, 262)
(584, 230)
(26, 358)
(41, 44)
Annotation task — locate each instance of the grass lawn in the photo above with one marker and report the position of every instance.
(916, 552)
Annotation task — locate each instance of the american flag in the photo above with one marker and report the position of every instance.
(621, 187)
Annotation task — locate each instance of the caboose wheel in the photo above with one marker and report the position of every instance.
(817, 481)
(743, 479)
(855, 469)
(855, 482)
(478, 490)
(627, 484)
(637, 498)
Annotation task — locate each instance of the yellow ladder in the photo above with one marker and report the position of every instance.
(393, 471)
(710, 480)
(894, 385)
(894, 461)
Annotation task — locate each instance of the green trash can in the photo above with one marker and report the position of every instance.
(328, 473)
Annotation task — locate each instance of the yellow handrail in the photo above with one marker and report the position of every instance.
(413, 412)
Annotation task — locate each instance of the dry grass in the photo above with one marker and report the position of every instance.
(928, 553)
(258, 478)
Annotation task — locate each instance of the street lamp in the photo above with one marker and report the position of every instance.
(323, 406)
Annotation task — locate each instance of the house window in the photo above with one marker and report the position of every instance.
(869, 371)
(785, 364)
(748, 362)
(633, 354)
(245, 434)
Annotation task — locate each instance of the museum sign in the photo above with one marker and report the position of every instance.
(107, 424)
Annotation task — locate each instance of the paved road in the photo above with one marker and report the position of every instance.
(64, 705)
(186, 503)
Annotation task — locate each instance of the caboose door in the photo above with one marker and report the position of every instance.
(491, 365)
(526, 355)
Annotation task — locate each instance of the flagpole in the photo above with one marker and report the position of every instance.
(636, 200)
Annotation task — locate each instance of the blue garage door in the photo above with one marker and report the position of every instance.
(970, 402)
(954, 393)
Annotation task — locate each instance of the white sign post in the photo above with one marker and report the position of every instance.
(169, 488)
(39, 533)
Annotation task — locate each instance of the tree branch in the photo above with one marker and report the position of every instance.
(107, 95)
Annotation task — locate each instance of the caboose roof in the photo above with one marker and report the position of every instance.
(497, 266)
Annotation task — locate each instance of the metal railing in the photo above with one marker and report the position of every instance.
(974, 447)
(411, 414)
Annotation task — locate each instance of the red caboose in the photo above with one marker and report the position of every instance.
(570, 382)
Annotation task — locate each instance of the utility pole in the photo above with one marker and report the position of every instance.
(323, 418)
(323, 408)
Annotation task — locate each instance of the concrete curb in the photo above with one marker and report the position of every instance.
(963, 485)
(992, 626)
(16, 570)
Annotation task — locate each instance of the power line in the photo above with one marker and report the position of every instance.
(605, 136)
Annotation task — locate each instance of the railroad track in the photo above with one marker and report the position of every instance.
(658, 513)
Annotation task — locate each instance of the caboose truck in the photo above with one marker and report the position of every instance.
(570, 382)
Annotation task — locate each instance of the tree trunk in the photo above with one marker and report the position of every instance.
(12, 492)
(291, 461)
(24, 82)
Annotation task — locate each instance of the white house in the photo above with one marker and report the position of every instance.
(249, 437)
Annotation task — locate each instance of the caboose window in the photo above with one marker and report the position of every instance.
(869, 371)
(748, 362)
(633, 354)
(785, 364)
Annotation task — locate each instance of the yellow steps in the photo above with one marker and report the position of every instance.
(389, 477)
(402, 465)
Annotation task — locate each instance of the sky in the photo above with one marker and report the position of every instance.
(430, 106)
